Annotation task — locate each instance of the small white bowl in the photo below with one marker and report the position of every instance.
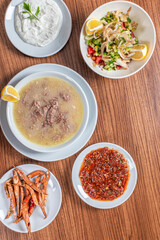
(145, 33)
(104, 204)
(37, 147)
(35, 51)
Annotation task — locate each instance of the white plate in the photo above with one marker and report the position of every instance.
(37, 147)
(67, 152)
(145, 33)
(34, 51)
(104, 204)
(54, 200)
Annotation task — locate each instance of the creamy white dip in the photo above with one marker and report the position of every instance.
(44, 31)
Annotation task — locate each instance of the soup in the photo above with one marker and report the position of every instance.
(50, 111)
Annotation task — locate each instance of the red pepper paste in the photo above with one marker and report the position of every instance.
(104, 174)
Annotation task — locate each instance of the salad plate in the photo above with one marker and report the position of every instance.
(54, 200)
(80, 142)
(100, 203)
(35, 51)
(145, 33)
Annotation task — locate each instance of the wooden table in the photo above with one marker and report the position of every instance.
(129, 115)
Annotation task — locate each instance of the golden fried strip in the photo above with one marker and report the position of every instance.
(16, 193)
(27, 180)
(18, 219)
(25, 214)
(27, 192)
(44, 197)
(33, 194)
(31, 208)
(6, 186)
(22, 198)
(36, 173)
(12, 200)
(40, 201)
(10, 211)
(16, 181)
(43, 179)
(37, 181)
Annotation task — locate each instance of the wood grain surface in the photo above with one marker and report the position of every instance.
(129, 115)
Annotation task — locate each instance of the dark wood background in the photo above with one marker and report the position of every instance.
(129, 115)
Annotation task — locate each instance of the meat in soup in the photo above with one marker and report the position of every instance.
(50, 111)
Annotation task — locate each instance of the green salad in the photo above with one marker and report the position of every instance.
(110, 42)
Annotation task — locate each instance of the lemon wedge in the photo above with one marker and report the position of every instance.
(93, 25)
(10, 94)
(140, 51)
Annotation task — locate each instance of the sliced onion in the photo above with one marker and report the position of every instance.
(89, 38)
(97, 36)
(121, 63)
(103, 46)
(131, 54)
(120, 51)
(104, 22)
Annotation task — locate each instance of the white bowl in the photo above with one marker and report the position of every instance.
(34, 51)
(104, 204)
(37, 147)
(145, 33)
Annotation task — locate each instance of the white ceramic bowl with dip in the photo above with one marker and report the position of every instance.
(100, 203)
(37, 147)
(145, 33)
(35, 51)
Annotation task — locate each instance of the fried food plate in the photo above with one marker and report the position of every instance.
(37, 220)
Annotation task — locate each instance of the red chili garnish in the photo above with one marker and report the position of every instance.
(123, 26)
(118, 67)
(132, 35)
(94, 58)
(99, 60)
(104, 174)
(31, 205)
(91, 51)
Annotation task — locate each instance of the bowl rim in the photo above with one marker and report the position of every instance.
(25, 141)
(154, 42)
(96, 203)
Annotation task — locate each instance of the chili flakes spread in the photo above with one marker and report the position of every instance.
(104, 174)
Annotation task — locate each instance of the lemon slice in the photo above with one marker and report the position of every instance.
(93, 25)
(140, 51)
(10, 94)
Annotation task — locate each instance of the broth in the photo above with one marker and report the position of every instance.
(50, 111)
